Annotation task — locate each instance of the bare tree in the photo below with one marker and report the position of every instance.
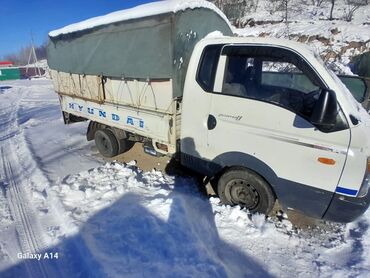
(255, 4)
(235, 10)
(285, 4)
(317, 3)
(21, 57)
(285, 7)
(352, 7)
(332, 9)
(272, 6)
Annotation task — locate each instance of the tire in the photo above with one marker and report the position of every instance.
(125, 145)
(106, 143)
(239, 186)
(122, 146)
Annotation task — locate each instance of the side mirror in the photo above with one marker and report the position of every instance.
(326, 109)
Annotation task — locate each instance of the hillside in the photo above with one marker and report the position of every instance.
(337, 41)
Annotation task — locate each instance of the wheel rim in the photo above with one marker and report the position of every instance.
(105, 144)
(241, 192)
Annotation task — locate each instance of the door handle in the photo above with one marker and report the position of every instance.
(211, 122)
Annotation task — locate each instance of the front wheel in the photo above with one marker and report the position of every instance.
(246, 188)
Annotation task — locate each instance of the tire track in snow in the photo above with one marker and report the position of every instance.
(14, 178)
(28, 240)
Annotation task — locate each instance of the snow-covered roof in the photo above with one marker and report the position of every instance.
(150, 9)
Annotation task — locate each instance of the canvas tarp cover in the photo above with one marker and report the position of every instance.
(155, 47)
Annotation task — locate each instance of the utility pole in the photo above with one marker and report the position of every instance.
(33, 57)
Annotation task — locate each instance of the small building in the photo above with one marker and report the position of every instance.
(4, 64)
(8, 71)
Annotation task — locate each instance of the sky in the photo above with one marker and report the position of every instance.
(20, 18)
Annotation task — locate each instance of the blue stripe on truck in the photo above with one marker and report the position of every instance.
(346, 191)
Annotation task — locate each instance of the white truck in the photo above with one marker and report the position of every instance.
(263, 117)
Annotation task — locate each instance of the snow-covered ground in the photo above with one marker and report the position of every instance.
(98, 219)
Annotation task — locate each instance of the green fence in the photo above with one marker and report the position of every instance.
(10, 73)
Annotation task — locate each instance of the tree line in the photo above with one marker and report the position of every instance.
(235, 10)
(21, 57)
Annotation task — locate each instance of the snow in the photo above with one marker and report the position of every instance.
(150, 9)
(214, 34)
(110, 219)
(40, 63)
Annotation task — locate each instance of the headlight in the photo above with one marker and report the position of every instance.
(366, 183)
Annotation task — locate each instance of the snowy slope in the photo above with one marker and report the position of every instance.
(113, 220)
(336, 41)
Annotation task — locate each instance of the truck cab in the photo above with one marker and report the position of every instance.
(269, 120)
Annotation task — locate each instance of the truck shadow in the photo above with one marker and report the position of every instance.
(129, 240)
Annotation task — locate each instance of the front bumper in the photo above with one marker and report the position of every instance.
(346, 209)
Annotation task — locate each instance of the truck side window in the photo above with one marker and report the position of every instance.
(272, 76)
(208, 66)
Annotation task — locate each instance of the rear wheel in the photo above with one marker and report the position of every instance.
(125, 145)
(246, 188)
(106, 143)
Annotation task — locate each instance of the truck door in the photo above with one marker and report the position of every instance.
(259, 117)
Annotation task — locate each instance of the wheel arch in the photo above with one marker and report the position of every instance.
(94, 126)
(309, 199)
(240, 161)
(239, 167)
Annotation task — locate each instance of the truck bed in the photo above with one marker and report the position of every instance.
(141, 107)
